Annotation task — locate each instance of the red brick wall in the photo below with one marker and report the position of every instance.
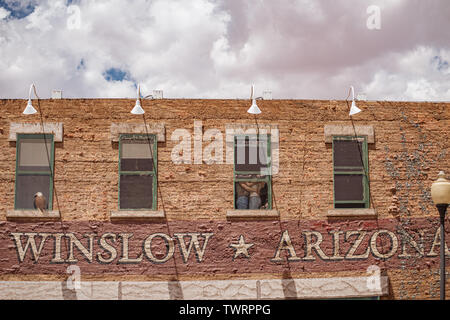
(411, 146)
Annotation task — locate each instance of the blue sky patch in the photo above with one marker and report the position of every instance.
(440, 63)
(18, 9)
(81, 65)
(115, 74)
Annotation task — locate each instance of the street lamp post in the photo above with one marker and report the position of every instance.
(440, 193)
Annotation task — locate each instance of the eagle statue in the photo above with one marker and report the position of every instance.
(40, 203)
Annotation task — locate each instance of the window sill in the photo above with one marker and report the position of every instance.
(263, 213)
(138, 214)
(365, 213)
(33, 214)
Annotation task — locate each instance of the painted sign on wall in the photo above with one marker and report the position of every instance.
(216, 247)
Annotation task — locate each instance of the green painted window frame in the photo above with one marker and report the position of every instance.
(154, 172)
(364, 172)
(48, 137)
(267, 179)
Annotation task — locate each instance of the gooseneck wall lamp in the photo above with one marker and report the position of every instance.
(440, 193)
(353, 109)
(254, 107)
(137, 107)
(29, 108)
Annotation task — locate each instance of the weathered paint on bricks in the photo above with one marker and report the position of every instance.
(213, 247)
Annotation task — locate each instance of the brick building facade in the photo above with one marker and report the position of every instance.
(193, 243)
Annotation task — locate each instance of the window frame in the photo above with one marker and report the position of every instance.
(267, 179)
(154, 172)
(364, 172)
(46, 137)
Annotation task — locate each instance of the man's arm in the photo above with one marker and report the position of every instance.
(247, 188)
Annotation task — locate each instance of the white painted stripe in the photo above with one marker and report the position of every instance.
(315, 288)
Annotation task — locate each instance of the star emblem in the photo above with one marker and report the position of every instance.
(241, 248)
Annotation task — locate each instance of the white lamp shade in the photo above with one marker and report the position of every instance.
(254, 108)
(29, 108)
(354, 109)
(440, 190)
(137, 108)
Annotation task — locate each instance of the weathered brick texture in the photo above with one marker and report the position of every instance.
(411, 146)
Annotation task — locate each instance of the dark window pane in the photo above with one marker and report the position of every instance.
(136, 155)
(26, 188)
(347, 153)
(348, 187)
(350, 205)
(32, 155)
(250, 154)
(251, 195)
(136, 165)
(136, 191)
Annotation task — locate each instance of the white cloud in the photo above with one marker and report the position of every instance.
(221, 55)
(4, 13)
(217, 48)
(411, 75)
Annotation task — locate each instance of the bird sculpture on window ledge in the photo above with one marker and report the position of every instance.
(40, 203)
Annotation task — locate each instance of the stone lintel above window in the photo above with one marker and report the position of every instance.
(55, 128)
(233, 129)
(331, 130)
(152, 128)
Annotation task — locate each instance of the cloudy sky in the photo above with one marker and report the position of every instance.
(300, 49)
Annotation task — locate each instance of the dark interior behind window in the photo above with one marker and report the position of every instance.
(350, 181)
(34, 165)
(137, 171)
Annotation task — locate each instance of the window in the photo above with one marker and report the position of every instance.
(34, 169)
(252, 172)
(350, 164)
(137, 171)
